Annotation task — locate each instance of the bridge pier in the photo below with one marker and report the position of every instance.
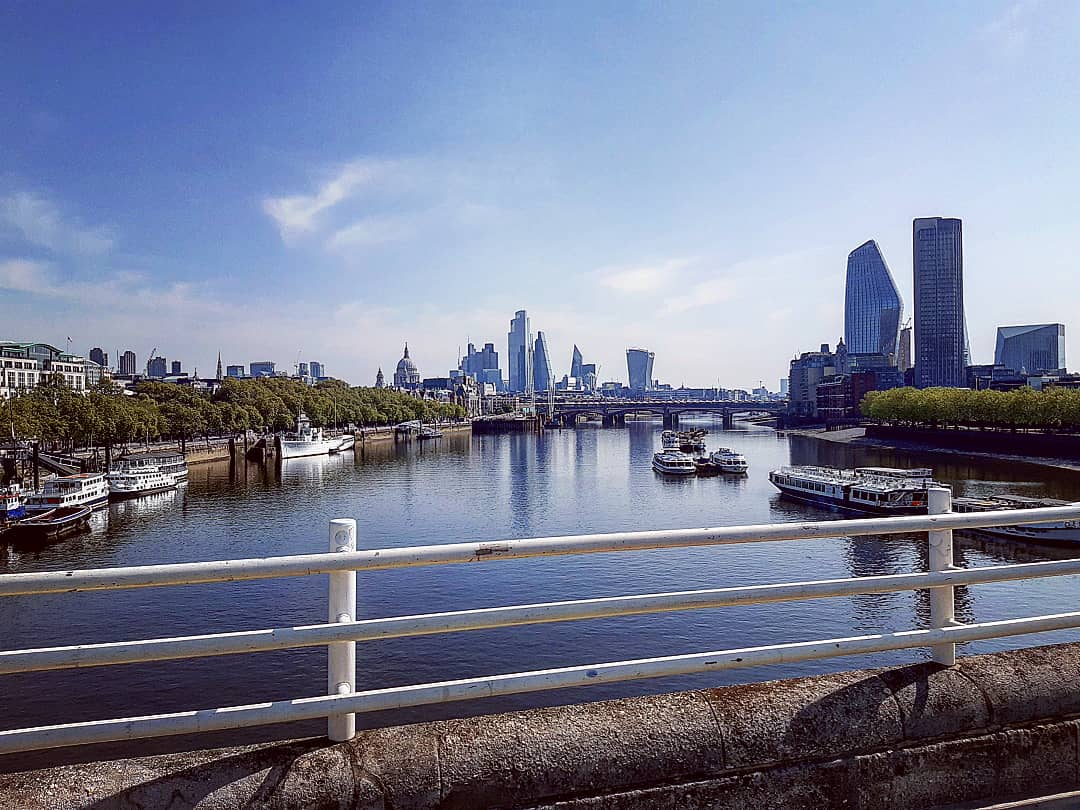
(729, 420)
(608, 420)
(671, 420)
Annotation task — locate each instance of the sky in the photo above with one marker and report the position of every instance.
(326, 181)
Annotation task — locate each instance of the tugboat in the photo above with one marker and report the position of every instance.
(82, 489)
(1060, 532)
(864, 490)
(11, 503)
(673, 462)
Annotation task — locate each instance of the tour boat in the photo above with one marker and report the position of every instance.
(138, 481)
(1056, 531)
(11, 503)
(168, 462)
(729, 461)
(673, 462)
(692, 441)
(307, 441)
(50, 524)
(347, 442)
(669, 440)
(82, 489)
(867, 490)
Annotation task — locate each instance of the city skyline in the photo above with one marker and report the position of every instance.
(618, 212)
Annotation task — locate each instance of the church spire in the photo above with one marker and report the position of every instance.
(406, 348)
(219, 366)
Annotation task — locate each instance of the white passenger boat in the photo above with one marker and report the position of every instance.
(867, 490)
(346, 442)
(669, 440)
(729, 461)
(138, 481)
(12, 506)
(83, 489)
(673, 462)
(1064, 532)
(169, 462)
(307, 441)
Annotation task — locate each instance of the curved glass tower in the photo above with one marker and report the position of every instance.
(639, 366)
(542, 380)
(872, 305)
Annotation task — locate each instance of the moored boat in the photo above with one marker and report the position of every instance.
(706, 466)
(50, 524)
(82, 489)
(729, 461)
(139, 481)
(1061, 532)
(866, 490)
(692, 441)
(673, 462)
(347, 442)
(12, 505)
(169, 462)
(307, 441)
(669, 440)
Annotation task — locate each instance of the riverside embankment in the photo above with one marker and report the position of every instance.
(922, 736)
(1048, 450)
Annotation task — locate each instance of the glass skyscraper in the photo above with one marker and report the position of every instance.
(872, 306)
(1032, 349)
(519, 346)
(576, 363)
(542, 379)
(941, 351)
(639, 367)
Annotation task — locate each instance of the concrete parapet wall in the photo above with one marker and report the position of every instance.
(995, 726)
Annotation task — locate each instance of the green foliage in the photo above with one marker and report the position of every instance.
(1051, 409)
(56, 415)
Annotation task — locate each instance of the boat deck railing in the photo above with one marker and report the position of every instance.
(341, 701)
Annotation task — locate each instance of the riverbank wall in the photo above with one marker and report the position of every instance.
(1042, 445)
(922, 736)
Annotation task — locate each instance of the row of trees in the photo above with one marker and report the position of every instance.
(1050, 409)
(104, 416)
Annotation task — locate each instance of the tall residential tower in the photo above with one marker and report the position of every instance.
(940, 329)
(872, 306)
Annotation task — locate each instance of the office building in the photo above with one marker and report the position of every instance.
(157, 368)
(236, 372)
(903, 353)
(302, 370)
(872, 306)
(175, 369)
(1035, 349)
(941, 352)
(318, 370)
(100, 357)
(639, 368)
(519, 344)
(576, 363)
(262, 368)
(478, 363)
(127, 364)
(93, 373)
(407, 375)
(543, 376)
(805, 374)
(24, 365)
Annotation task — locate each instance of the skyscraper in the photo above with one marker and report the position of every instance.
(176, 368)
(1032, 349)
(99, 357)
(156, 367)
(519, 346)
(262, 368)
(940, 327)
(318, 370)
(127, 363)
(639, 367)
(872, 306)
(542, 374)
(576, 363)
(903, 352)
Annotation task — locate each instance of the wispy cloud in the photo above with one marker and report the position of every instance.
(39, 221)
(371, 231)
(1009, 33)
(299, 214)
(642, 278)
(701, 294)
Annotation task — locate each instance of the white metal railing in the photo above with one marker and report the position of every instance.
(342, 630)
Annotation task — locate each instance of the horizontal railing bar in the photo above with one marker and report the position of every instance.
(412, 556)
(234, 717)
(248, 641)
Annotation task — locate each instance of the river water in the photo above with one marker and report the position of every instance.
(583, 480)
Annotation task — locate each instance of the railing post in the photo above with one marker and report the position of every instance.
(341, 655)
(942, 599)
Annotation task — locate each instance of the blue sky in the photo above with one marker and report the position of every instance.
(331, 180)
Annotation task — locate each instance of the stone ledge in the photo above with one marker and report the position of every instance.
(911, 737)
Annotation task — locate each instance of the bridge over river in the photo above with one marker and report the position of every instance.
(613, 412)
